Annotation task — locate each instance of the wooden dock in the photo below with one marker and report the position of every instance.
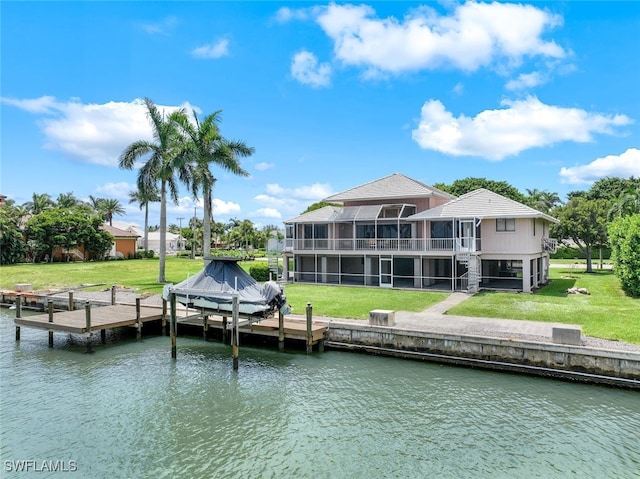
(102, 317)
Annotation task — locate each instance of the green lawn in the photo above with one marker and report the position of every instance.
(606, 313)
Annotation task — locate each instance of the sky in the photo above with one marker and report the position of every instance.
(543, 95)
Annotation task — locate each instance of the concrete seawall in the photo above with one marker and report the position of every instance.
(616, 368)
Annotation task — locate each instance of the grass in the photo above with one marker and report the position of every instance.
(606, 313)
(142, 275)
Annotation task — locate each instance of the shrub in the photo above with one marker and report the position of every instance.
(624, 236)
(260, 272)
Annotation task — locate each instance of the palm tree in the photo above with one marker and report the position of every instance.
(205, 146)
(38, 203)
(111, 207)
(166, 163)
(67, 200)
(143, 198)
(627, 204)
(543, 201)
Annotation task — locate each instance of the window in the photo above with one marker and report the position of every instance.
(505, 224)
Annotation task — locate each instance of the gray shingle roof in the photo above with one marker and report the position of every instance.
(390, 187)
(482, 203)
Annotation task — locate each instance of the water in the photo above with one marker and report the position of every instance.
(129, 411)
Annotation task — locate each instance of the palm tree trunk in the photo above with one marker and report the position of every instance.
(146, 227)
(163, 231)
(206, 225)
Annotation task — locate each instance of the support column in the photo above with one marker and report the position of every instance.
(309, 329)
(113, 295)
(50, 310)
(205, 327)
(235, 334)
(526, 275)
(172, 325)
(18, 314)
(225, 331)
(163, 321)
(138, 320)
(280, 331)
(87, 312)
(71, 304)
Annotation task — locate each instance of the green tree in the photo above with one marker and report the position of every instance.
(143, 198)
(628, 203)
(66, 229)
(111, 207)
(67, 200)
(12, 245)
(165, 163)
(624, 237)
(460, 187)
(543, 201)
(38, 203)
(206, 147)
(584, 221)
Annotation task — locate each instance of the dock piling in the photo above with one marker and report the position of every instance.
(163, 322)
(138, 320)
(113, 295)
(280, 331)
(205, 327)
(309, 328)
(18, 314)
(87, 314)
(172, 325)
(50, 310)
(225, 332)
(71, 305)
(235, 334)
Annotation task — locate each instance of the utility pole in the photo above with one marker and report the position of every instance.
(180, 233)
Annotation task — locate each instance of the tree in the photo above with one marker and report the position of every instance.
(584, 221)
(67, 200)
(166, 163)
(143, 198)
(624, 237)
(38, 203)
(320, 204)
(206, 146)
(111, 207)
(543, 201)
(460, 187)
(12, 245)
(66, 229)
(628, 203)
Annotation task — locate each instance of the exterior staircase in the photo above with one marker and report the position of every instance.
(472, 276)
(272, 263)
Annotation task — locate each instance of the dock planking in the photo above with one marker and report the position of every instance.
(102, 317)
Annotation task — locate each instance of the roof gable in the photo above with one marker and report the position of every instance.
(117, 232)
(482, 203)
(388, 188)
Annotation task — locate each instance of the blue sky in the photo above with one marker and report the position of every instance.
(331, 95)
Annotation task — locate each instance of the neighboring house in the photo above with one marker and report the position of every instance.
(173, 241)
(398, 232)
(124, 244)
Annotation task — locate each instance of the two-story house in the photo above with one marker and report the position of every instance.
(399, 232)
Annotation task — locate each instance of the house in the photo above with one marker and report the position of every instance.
(174, 242)
(124, 243)
(398, 232)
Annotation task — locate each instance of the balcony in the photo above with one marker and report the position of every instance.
(369, 245)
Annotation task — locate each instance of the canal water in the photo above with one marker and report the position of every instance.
(129, 411)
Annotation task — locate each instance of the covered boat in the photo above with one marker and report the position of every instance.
(214, 287)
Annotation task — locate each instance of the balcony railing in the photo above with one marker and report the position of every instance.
(383, 244)
(550, 245)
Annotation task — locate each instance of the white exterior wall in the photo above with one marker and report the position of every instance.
(520, 241)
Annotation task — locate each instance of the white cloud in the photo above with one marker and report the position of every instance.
(267, 213)
(306, 69)
(221, 207)
(162, 27)
(622, 166)
(496, 134)
(286, 14)
(458, 89)
(474, 35)
(525, 81)
(262, 166)
(314, 192)
(290, 201)
(116, 190)
(92, 133)
(218, 49)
